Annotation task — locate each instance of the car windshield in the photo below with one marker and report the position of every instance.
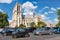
(43, 29)
(40, 29)
(4, 30)
(12, 29)
(21, 30)
(59, 29)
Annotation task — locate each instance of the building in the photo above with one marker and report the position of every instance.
(18, 18)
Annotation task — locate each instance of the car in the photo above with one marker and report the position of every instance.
(20, 32)
(54, 28)
(30, 29)
(42, 31)
(7, 31)
(57, 31)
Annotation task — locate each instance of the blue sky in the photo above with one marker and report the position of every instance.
(46, 8)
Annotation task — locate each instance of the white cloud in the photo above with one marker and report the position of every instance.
(28, 5)
(50, 12)
(24, 13)
(53, 9)
(34, 2)
(28, 8)
(6, 1)
(44, 17)
(10, 21)
(45, 13)
(58, 8)
(56, 20)
(46, 7)
(52, 21)
(1, 10)
(49, 21)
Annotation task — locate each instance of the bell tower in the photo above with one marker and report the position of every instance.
(17, 15)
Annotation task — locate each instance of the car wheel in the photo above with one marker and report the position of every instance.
(4, 34)
(40, 34)
(14, 36)
(34, 34)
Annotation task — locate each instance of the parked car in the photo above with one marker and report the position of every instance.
(43, 31)
(57, 31)
(54, 29)
(7, 31)
(31, 29)
(20, 32)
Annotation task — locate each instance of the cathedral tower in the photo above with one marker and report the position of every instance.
(17, 15)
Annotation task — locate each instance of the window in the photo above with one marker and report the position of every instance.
(18, 8)
(24, 23)
(27, 23)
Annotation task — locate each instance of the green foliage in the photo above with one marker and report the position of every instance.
(58, 13)
(3, 20)
(22, 26)
(58, 24)
(32, 24)
(41, 24)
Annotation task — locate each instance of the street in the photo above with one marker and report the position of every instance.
(33, 37)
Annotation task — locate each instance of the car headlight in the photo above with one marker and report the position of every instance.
(37, 32)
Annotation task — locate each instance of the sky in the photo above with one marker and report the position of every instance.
(46, 8)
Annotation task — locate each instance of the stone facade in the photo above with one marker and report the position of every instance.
(18, 18)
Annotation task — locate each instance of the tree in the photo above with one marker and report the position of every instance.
(32, 24)
(41, 24)
(22, 26)
(3, 20)
(58, 13)
(58, 24)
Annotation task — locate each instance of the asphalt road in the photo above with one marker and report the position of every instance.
(33, 37)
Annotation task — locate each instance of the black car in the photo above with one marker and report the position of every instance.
(7, 31)
(20, 32)
(57, 31)
(31, 29)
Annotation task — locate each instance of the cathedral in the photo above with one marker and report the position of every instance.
(18, 17)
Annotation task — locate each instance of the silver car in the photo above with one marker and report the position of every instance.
(42, 31)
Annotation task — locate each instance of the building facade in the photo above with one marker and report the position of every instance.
(18, 18)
